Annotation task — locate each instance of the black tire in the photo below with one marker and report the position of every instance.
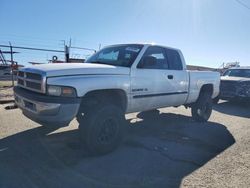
(101, 128)
(202, 109)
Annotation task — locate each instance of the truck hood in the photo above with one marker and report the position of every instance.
(236, 79)
(66, 69)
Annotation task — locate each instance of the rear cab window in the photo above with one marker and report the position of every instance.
(174, 59)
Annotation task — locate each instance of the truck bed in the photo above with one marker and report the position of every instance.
(199, 78)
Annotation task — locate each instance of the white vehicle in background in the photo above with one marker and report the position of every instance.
(5, 70)
(118, 79)
(235, 85)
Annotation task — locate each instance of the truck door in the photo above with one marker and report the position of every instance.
(155, 83)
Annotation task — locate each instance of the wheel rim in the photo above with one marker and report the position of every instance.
(108, 131)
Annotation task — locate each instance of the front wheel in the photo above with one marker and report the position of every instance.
(202, 109)
(101, 128)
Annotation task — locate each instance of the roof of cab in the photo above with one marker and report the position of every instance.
(144, 44)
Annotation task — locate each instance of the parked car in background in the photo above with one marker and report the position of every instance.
(235, 85)
(5, 70)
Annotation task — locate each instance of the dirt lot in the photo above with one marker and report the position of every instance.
(6, 91)
(162, 149)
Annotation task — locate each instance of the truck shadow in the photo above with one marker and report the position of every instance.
(159, 151)
(239, 109)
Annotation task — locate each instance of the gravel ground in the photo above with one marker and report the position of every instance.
(162, 149)
(6, 94)
(6, 91)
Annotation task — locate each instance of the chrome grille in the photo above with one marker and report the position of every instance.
(228, 85)
(33, 76)
(228, 88)
(33, 81)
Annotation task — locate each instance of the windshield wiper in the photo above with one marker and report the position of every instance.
(101, 62)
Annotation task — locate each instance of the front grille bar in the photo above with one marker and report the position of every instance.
(32, 80)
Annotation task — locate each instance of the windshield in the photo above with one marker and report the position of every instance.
(238, 73)
(122, 55)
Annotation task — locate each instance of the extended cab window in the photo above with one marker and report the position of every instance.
(174, 60)
(154, 58)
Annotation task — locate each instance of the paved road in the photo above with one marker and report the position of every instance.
(162, 149)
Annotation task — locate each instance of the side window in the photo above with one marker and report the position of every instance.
(174, 60)
(154, 58)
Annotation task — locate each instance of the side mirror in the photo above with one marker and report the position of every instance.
(147, 62)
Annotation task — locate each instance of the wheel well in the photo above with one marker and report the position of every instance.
(114, 96)
(207, 88)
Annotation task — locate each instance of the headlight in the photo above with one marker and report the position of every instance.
(63, 91)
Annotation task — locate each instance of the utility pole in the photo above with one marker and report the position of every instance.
(12, 64)
(66, 53)
(67, 49)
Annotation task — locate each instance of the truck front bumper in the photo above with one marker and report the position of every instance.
(235, 98)
(45, 109)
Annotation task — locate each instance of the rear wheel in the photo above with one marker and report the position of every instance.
(101, 128)
(202, 109)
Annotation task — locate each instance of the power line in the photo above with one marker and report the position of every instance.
(243, 4)
(14, 37)
(28, 48)
(28, 42)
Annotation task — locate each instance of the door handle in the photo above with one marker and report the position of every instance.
(170, 77)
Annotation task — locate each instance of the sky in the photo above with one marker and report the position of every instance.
(209, 32)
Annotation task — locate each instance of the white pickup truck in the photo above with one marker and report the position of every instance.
(118, 79)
